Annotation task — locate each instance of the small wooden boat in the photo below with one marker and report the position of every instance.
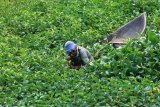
(132, 29)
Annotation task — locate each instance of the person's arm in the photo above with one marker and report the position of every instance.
(85, 60)
(84, 56)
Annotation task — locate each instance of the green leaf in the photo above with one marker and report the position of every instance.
(153, 37)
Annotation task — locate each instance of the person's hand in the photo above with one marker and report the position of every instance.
(68, 58)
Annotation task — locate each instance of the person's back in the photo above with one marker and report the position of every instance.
(85, 55)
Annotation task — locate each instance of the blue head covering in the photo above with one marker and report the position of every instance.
(70, 46)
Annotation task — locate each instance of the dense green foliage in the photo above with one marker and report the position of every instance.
(33, 68)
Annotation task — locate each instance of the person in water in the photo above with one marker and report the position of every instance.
(77, 56)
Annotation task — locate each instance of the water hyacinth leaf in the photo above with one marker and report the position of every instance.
(153, 37)
(33, 65)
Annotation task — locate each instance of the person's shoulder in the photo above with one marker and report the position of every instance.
(82, 49)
